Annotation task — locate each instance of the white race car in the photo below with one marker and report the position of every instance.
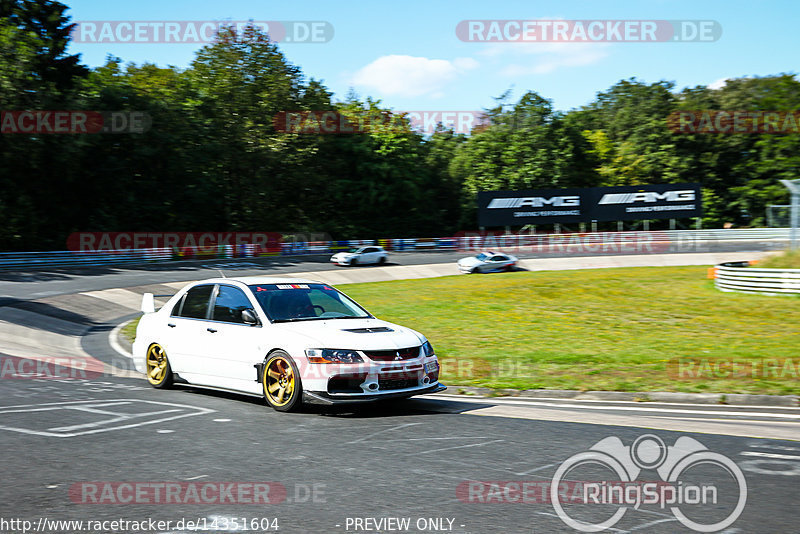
(361, 256)
(487, 262)
(290, 340)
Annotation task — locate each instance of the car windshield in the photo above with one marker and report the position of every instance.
(305, 302)
(482, 256)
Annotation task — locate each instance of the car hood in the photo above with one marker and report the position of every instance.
(343, 255)
(356, 334)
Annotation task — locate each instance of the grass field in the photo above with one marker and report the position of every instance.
(789, 259)
(598, 329)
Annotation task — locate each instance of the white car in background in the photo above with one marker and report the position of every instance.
(361, 256)
(288, 340)
(487, 262)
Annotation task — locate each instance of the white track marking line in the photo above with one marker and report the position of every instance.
(118, 418)
(435, 438)
(112, 340)
(628, 408)
(533, 400)
(651, 523)
(398, 427)
(196, 410)
(770, 455)
(462, 446)
(529, 471)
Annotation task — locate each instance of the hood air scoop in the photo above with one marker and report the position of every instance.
(368, 330)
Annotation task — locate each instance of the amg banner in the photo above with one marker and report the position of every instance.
(622, 203)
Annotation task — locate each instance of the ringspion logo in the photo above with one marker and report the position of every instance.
(696, 501)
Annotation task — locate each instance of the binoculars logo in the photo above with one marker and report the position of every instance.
(648, 452)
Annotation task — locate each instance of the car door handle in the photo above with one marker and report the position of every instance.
(211, 330)
(171, 325)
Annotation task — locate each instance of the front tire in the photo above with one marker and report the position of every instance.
(353, 262)
(283, 389)
(159, 372)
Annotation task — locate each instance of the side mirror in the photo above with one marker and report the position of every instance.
(249, 317)
(148, 303)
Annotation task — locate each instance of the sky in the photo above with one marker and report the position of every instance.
(410, 55)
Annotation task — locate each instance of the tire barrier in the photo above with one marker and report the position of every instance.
(742, 277)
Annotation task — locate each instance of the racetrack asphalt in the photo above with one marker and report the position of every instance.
(339, 467)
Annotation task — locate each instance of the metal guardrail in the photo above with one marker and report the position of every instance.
(13, 261)
(740, 276)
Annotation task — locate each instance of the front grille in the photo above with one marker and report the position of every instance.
(346, 383)
(385, 384)
(392, 355)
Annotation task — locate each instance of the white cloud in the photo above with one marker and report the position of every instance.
(543, 58)
(718, 84)
(547, 56)
(411, 76)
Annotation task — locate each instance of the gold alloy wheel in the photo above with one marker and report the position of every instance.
(157, 365)
(279, 381)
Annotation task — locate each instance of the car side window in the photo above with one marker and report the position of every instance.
(499, 258)
(176, 310)
(366, 250)
(228, 305)
(195, 302)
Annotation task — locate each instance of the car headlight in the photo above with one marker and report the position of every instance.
(332, 356)
(427, 349)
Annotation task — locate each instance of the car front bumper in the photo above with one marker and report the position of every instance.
(323, 397)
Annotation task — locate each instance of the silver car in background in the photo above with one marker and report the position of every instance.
(487, 262)
(368, 255)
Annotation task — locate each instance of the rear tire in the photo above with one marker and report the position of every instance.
(382, 260)
(281, 383)
(159, 372)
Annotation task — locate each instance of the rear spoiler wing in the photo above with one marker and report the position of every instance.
(149, 302)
